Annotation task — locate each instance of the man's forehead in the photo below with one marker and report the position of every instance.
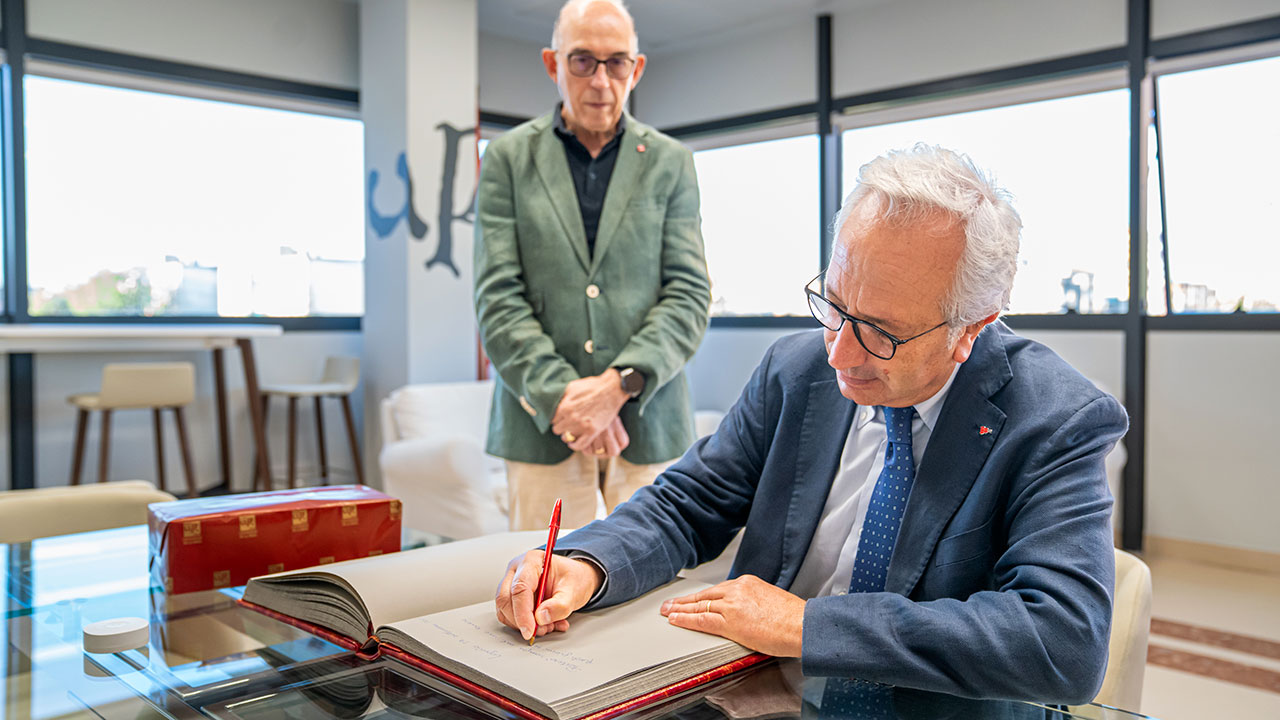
(584, 26)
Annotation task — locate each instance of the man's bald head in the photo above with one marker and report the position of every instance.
(585, 10)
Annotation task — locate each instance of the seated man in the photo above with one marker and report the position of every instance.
(922, 490)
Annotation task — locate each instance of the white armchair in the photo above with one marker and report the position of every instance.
(433, 459)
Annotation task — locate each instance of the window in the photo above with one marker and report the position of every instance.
(150, 204)
(1220, 145)
(1065, 161)
(760, 224)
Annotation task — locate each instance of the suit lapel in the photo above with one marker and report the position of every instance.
(828, 416)
(627, 169)
(957, 450)
(553, 170)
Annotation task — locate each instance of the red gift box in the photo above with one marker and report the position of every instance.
(217, 542)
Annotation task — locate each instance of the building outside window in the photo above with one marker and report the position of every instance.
(1065, 161)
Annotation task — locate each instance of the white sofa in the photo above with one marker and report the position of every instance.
(433, 458)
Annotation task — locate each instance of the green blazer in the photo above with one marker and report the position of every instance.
(550, 313)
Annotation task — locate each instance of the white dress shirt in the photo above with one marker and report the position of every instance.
(828, 565)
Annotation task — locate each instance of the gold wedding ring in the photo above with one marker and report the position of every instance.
(599, 451)
(569, 437)
(708, 608)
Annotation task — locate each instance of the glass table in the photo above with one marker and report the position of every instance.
(209, 657)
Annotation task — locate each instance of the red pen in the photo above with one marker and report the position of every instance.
(552, 534)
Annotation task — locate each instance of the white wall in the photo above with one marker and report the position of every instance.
(315, 41)
(731, 74)
(512, 78)
(1213, 419)
(903, 43)
(1175, 17)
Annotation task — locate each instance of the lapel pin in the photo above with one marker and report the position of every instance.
(640, 147)
(984, 430)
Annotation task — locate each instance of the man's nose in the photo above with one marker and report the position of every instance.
(600, 78)
(843, 350)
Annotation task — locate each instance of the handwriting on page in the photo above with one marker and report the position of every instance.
(505, 643)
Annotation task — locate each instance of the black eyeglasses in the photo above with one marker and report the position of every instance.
(584, 64)
(875, 341)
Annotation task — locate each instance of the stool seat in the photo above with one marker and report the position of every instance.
(321, 389)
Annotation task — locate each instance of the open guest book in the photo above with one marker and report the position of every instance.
(433, 608)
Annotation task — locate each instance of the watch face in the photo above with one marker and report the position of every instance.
(632, 382)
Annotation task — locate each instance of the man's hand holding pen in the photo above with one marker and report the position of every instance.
(570, 584)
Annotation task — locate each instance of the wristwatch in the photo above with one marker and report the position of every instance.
(632, 381)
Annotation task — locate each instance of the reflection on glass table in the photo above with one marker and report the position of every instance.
(209, 657)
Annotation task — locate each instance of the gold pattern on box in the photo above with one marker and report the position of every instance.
(222, 578)
(326, 559)
(349, 515)
(300, 521)
(191, 533)
(275, 567)
(248, 526)
(395, 509)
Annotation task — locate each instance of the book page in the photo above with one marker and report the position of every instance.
(599, 648)
(426, 580)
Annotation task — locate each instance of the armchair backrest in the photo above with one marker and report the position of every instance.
(437, 409)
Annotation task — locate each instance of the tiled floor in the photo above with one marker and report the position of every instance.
(1215, 643)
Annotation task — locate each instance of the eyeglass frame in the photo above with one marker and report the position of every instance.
(845, 317)
(568, 61)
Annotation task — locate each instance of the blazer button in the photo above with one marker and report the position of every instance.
(589, 346)
(593, 291)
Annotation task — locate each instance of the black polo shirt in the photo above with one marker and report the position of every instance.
(590, 174)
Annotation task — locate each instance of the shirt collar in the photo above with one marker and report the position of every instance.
(928, 410)
(557, 123)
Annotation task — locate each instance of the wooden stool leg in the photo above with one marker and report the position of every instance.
(256, 473)
(77, 460)
(155, 421)
(351, 436)
(324, 459)
(104, 453)
(186, 453)
(293, 441)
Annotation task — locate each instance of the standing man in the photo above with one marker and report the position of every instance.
(591, 284)
(923, 492)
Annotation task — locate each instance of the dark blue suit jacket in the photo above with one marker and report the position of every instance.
(1001, 578)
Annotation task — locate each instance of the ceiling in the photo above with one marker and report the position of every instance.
(664, 26)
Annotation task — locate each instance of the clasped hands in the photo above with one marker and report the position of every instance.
(587, 417)
(747, 610)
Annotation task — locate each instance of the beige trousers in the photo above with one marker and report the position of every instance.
(580, 482)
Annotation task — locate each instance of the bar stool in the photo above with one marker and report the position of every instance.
(341, 374)
(131, 386)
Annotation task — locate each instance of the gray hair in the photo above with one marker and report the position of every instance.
(572, 5)
(910, 185)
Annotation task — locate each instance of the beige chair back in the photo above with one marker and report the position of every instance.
(1130, 625)
(29, 514)
(147, 385)
(344, 371)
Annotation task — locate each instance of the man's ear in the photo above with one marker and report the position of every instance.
(549, 61)
(964, 345)
(638, 71)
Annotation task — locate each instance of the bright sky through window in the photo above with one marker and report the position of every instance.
(141, 203)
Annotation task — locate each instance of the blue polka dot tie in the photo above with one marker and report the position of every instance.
(888, 501)
(849, 699)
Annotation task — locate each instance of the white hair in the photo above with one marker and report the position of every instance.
(913, 185)
(572, 5)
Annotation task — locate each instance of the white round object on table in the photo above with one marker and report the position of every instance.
(116, 635)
